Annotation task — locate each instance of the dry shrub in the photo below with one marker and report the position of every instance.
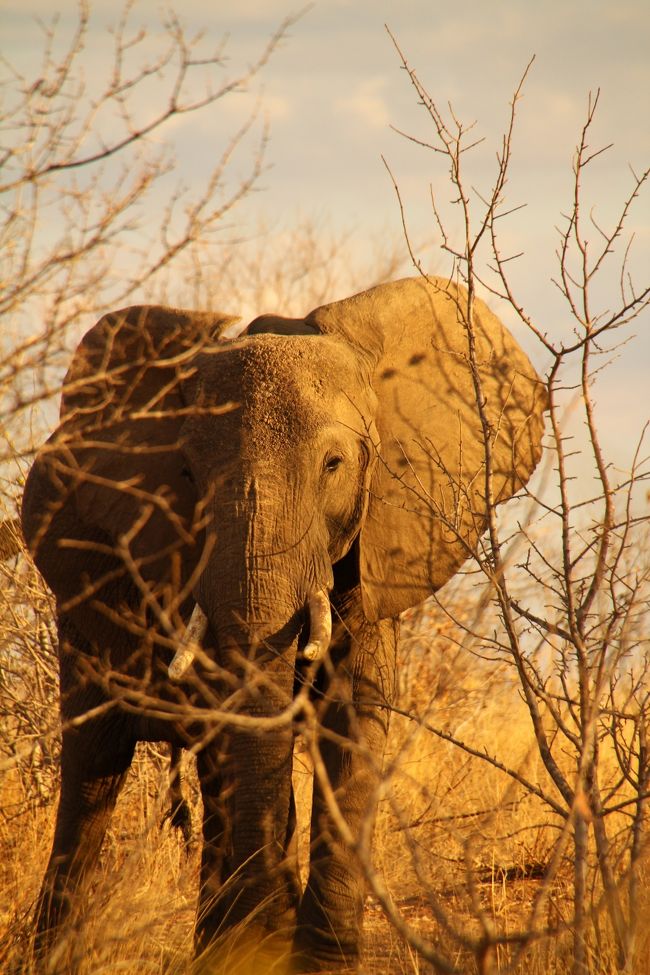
(462, 845)
(456, 837)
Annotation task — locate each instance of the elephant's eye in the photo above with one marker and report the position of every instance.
(333, 462)
(187, 474)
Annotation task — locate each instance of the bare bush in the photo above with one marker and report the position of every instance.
(93, 212)
(563, 605)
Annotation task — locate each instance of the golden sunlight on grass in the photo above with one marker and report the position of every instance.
(459, 844)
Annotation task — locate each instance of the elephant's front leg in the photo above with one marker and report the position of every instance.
(354, 708)
(96, 753)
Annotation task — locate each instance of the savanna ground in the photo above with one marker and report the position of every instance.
(459, 845)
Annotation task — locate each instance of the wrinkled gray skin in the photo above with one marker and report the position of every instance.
(245, 476)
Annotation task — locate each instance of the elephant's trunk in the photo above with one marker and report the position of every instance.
(320, 634)
(255, 619)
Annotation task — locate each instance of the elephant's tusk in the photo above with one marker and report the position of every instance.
(192, 638)
(320, 625)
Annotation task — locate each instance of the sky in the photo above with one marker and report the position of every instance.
(334, 90)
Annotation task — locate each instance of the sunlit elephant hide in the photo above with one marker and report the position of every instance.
(231, 529)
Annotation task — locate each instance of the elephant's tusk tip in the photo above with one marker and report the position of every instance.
(314, 650)
(320, 626)
(194, 634)
(180, 664)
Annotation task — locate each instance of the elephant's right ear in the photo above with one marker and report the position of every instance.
(427, 506)
(116, 455)
(129, 360)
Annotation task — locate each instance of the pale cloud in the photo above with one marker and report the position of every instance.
(243, 9)
(367, 103)
(269, 106)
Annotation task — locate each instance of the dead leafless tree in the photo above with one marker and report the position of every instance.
(569, 584)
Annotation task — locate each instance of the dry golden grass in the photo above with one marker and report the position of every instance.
(458, 844)
(462, 847)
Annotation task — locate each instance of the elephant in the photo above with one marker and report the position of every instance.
(231, 528)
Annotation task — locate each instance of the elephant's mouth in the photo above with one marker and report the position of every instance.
(320, 634)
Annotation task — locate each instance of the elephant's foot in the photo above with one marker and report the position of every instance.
(55, 944)
(54, 919)
(328, 932)
(319, 951)
(319, 946)
(229, 939)
(247, 949)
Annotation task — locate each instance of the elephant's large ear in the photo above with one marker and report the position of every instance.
(127, 392)
(127, 362)
(427, 506)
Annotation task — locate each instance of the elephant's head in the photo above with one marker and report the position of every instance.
(351, 434)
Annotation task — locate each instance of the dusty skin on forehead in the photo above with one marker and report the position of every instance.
(285, 385)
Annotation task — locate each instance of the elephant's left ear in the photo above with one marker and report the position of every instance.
(428, 503)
